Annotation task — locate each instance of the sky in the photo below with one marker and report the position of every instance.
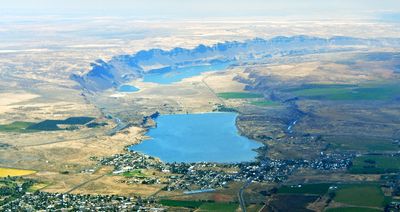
(321, 9)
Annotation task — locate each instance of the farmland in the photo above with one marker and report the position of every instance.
(239, 95)
(181, 203)
(352, 209)
(201, 205)
(364, 144)
(375, 164)
(218, 206)
(374, 91)
(46, 125)
(4, 172)
(317, 189)
(135, 173)
(50, 125)
(264, 103)
(360, 195)
(297, 202)
(17, 126)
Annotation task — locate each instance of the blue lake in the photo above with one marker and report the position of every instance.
(177, 74)
(127, 88)
(210, 137)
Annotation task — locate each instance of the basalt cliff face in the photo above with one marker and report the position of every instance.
(124, 68)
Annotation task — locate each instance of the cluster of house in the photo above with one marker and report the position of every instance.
(205, 175)
(74, 202)
(332, 161)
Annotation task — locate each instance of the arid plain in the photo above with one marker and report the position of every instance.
(35, 86)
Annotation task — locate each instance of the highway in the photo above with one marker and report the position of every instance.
(240, 194)
(242, 202)
(120, 126)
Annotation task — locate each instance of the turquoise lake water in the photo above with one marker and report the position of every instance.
(128, 88)
(210, 137)
(176, 75)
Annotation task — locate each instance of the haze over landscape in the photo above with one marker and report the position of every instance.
(206, 105)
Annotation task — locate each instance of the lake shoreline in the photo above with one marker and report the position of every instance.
(230, 129)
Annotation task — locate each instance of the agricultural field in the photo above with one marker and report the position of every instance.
(181, 203)
(4, 172)
(352, 209)
(37, 186)
(201, 205)
(239, 95)
(219, 206)
(355, 197)
(46, 125)
(359, 143)
(375, 164)
(297, 202)
(254, 207)
(264, 103)
(371, 91)
(134, 173)
(316, 189)
(363, 195)
(51, 125)
(17, 126)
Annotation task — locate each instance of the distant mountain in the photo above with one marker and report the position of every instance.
(124, 68)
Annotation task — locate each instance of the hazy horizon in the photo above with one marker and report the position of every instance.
(189, 9)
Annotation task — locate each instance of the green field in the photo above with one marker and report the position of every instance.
(352, 209)
(264, 103)
(239, 95)
(37, 186)
(52, 125)
(292, 202)
(96, 124)
(361, 143)
(348, 92)
(201, 205)
(360, 195)
(181, 203)
(46, 125)
(16, 126)
(317, 189)
(134, 173)
(218, 206)
(375, 164)
(79, 120)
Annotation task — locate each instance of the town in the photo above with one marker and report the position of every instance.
(186, 177)
(18, 198)
(206, 175)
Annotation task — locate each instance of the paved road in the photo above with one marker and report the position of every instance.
(241, 192)
(242, 202)
(54, 142)
(84, 183)
(212, 91)
(120, 126)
